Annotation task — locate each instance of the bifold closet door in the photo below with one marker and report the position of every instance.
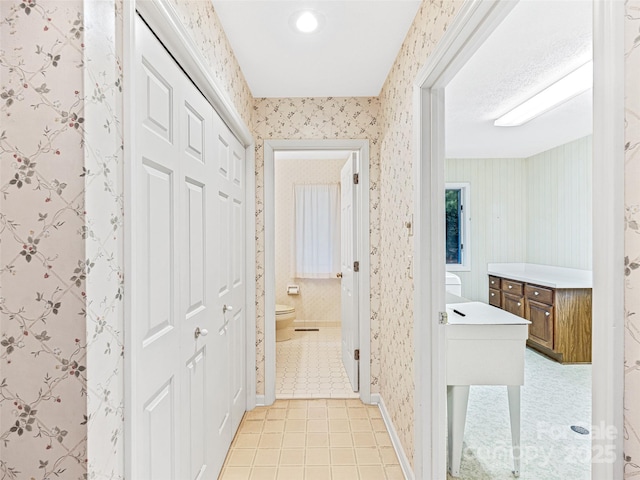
(187, 390)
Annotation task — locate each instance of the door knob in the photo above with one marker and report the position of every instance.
(200, 331)
(226, 308)
(339, 275)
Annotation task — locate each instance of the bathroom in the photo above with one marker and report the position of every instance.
(308, 297)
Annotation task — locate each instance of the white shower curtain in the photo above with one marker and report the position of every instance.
(316, 231)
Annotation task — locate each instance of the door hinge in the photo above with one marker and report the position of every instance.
(356, 178)
(356, 266)
(356, 354)
(444, 318)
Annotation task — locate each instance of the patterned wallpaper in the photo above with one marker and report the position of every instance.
(632, 240)
(317, 118)
(396, 203)
(319, 299)
(43, 261)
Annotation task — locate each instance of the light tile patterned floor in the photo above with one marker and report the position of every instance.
(310, 366)
(318, 439)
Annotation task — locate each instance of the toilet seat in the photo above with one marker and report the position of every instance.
(284, 309)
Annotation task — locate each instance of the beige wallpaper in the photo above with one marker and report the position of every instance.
(396, 203)
(319, 299)
(632, 247)
(317, 118)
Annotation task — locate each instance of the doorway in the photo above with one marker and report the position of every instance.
(473, 25)
(354, 329)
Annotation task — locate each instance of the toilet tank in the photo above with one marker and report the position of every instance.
(453, 284)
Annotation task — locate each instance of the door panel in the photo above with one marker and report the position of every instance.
(197, 403)
(348, 297)
(158, 445)
(231, 247)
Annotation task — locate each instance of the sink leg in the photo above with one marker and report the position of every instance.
(457, 400)
(514, 414)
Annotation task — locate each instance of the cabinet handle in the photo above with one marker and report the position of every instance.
(536, 293)
(519, 304)
(493, 294)
(492, 282)
(510, 286)
(547, 314)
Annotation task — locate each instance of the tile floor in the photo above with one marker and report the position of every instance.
(309, 365)
(316, 439)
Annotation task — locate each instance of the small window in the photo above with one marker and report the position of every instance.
(457, 226)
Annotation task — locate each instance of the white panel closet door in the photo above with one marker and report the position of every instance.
(157, 321)
(231, 245)
(202, 351)
(189, 355)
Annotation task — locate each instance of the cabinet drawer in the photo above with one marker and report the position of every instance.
(512, 286)
(494, 282)
(494, 297)
(539, 294)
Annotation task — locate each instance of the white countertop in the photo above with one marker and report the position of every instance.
(545, 275)
(478, 313)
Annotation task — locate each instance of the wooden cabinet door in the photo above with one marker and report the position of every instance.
(541, 328)
(513, 303)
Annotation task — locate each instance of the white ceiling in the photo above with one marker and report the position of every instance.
(538, 43)
(349, 56)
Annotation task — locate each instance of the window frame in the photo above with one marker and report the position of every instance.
(465, 198)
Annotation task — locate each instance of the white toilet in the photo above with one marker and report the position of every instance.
(453, 284)
(285, 315)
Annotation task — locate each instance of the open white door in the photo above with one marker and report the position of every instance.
(349, 283)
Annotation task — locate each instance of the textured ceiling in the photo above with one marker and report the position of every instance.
(537, 44)
(350, 55)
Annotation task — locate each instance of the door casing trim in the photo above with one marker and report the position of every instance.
(363, 249)
(473, 23)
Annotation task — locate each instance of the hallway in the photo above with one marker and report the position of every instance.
(318, 439)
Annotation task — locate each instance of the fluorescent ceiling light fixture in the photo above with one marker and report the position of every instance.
(565, 89)
(307, 22)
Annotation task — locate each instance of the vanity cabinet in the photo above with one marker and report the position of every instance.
(560, 317)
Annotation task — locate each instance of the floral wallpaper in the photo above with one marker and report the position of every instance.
(200, 19)
(103, 235)
(43, 259)
(396, 204)
(632, 241)
(317, 118)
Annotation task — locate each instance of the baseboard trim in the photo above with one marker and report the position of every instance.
(260, 401)
(376, 398)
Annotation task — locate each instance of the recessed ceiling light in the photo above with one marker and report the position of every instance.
(307, 22)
